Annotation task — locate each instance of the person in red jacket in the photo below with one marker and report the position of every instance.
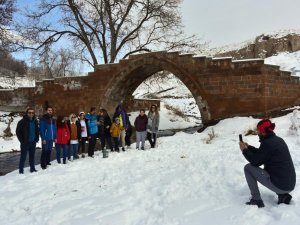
(63, 137)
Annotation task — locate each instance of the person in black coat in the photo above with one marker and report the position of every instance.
(104, 129)
(128, 134)
(278, 174)
(28, 134)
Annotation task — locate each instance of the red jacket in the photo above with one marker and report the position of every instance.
(63, 134)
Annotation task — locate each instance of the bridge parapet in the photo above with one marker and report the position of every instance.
(220, 85)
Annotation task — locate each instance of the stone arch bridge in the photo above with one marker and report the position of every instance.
(222, 87)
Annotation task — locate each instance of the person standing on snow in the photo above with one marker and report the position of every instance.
(140, 125)
(48, 133)
(75, 132)
(128, 134)
(93, 130)
(115, 131)
(124, 122)
(28, 134)
(104, 129)
(84, 133)
(278, 174)
(153, 124)
(63, 138)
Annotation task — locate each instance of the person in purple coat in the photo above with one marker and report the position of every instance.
(140, 125)
(124, 122)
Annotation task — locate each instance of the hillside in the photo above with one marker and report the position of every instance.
(262, 46)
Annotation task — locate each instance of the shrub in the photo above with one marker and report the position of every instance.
(211, 135)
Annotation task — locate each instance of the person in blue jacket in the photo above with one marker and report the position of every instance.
(278, 174)
(93, 130)
(48, 132)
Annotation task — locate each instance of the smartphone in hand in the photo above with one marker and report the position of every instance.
(241, 138)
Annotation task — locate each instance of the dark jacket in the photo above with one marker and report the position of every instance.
(22, 129)
(140, 123)
(274, 154)
(105, 122)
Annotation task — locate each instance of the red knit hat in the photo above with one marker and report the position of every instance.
(265, 126)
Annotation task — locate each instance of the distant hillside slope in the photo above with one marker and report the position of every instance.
(11, 82)
(263, 46)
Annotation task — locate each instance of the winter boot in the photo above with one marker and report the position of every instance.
(284, 198)
(258, 203)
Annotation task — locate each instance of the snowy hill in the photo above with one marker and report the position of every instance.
(262, 46)
(185, 181)
(236, 46)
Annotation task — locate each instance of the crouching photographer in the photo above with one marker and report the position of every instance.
(278, 174)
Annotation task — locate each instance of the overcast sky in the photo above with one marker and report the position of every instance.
(232, 21)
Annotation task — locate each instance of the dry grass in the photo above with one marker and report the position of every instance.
(211, 136)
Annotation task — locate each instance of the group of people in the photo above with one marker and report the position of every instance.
(70, 134)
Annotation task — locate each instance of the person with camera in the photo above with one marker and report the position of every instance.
(48, 133)
(278, 174)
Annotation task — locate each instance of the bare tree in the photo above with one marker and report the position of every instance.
(7, 8)
(107, 30)
(53, 63)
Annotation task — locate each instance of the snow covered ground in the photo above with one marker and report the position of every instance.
(11, 143)
(287, 62)
(10, 83)
(184, 181)
(174, 97)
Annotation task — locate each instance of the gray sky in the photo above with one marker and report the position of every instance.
(232, 21)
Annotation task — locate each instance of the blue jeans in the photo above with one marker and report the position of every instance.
(30, 148)
(73, 151)
(46, 154)
(65, 151)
